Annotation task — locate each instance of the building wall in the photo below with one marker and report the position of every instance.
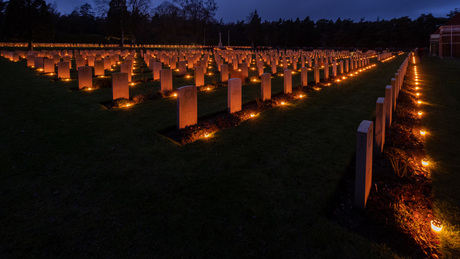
(449, 41)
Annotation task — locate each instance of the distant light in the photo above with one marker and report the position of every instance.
(422, 132)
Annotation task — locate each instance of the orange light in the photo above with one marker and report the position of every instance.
(420, 113)
(300, 96)
(208, 89)
(174, 94)
(425, 162)
(419, 102)
(283, 103)
(207, 135)
(422, 132)
(187, 76)
(416, 88)
(253, 115)
(417, 94)
(436, 226)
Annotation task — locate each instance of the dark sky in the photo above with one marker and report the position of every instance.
(233, 10)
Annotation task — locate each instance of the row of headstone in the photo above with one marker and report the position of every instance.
(370, 138)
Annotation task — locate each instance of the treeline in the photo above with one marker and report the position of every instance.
(193, 22)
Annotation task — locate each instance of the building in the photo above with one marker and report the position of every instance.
(448, 39)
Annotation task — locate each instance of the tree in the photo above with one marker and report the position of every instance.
(116, 20)
(254, 28)
(138, 17)
(199, 12)
(30, 20)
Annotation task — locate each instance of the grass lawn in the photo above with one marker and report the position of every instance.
(440, 80)
(81, 180)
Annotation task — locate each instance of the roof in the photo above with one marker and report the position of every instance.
(454, 21)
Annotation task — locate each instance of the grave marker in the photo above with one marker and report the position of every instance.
(379, 139)
(187, 112)
(85, 77)
(266, 86)
(304, 76)
(224, 73)
(166, 80)
(363, 177)
(63, 70)
(234, 95)
(199, 76)
(388, 104)
(287, 81)
(120, 86)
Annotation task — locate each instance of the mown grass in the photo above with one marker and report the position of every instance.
(81, 180)
(440, 94)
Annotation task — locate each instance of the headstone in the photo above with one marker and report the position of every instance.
(79, 62)
(317, 78)
(260, 67)
(166, 80)
(326, 70)
(224, 73)
(388, 105)
(30, 61)
(394, 90)
(341, 67)
(266, 86)
(182, 68)
(347, 66)
(304, 76)
(363, 177)
(99, 68)
(85, 77)
(63, 70)
(120, 86)
(287, 81)
(68, 59)
(91, 60)
(379, 139)
(187, 112)
(245, 70)
(334, 69)
(273, 67)
(38, 62)
(234, 95)
(48, 66)
(199, 76)
(126, 68)
(156, 70)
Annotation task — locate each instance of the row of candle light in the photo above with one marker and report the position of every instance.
(436, 225)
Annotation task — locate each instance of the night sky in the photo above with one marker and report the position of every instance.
(233, 10)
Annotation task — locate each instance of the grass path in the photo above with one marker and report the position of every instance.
(440, 89)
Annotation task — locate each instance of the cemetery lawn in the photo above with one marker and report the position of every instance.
(440, 89)
(81, 180)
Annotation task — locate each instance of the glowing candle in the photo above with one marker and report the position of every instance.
(436, 226)
(425, 162)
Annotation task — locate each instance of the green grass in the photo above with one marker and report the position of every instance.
(81, 180)
(440, 88)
